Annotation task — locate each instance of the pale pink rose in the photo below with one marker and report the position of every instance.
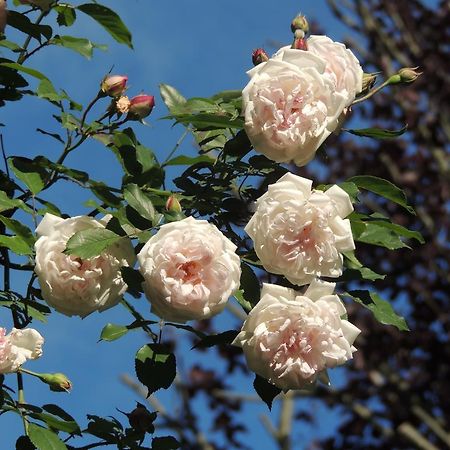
(290, 338)
(3, 15)
(291, 106)
(190, 270)
(342, 67)
(141, 106)
(301, 233)
(17, 347)
(76, 286)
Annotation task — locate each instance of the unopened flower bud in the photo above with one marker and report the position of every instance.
(173, 204)
(141, 419)
(259, 56)
(58, 382)
(3, 13)
(114, 85)
(368, 81)
(141, 106)
(299, 42)
(409, 74)
(300, 23)
(123, 105)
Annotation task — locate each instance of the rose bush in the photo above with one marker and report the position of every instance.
(17, 347)
(300, 233)
(75, 286)
(190, 270)
(290, 338)
(294, 101)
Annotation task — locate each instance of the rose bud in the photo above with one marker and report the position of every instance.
(141, 419)
(368, 81)
(173, 204)
(300, 23)
(409, 74)
(141, 106)
(58, 382)
(259, 56)
(3, 14)
(114, 85)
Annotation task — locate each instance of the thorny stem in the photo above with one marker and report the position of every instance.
(372, 92)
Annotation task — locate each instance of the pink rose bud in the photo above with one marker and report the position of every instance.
(114, 85)
(300, 23)
(299, 43)
(259, 56)
(3, 13)
(173, 204)
(141, 106)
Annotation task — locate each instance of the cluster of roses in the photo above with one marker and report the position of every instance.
(293, 101)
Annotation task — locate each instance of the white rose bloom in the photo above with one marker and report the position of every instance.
(190, 270)
(17, 347)
(75, 286)
(342, 67)
(289, 338)
(291, 106)
(300, 233)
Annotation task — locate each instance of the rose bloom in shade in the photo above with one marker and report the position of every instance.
(190, 270)
(76, 286)
(17, 347)
(300, 233)
(291, 106)
(290, 338)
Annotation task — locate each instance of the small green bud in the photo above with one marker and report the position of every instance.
(409, 74)
(58, 382)
(300, 23)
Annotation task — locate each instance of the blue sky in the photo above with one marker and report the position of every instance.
(200, 48)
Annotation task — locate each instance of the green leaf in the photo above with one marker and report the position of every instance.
(356, 271)
(16, 245)
(47, 90)
(249, 285)
(378, 133)
(19, 229)
(381, 309)
(57, 424)
(112, 332)
(44, 439)
(69, 121)
(29, 173)
(224, 338)
(10, 45)
(34, 73)
(109, 20)
(165, 443)
(90, 242)
(139, 201)
(184, 160)
(7, 203)
(383, 188)
(134, 280)
(171, 97)
(155, 367)
(22, 23)
(201, 121)
(80, 45)
(24, 443)
(103, 428)
(66, 15)
(266, 391)
(382, 221)
(373, 234)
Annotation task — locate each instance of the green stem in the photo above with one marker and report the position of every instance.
(177, 145)
(23, 54)
(138, 317)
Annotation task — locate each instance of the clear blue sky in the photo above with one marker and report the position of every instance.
(199, 47)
